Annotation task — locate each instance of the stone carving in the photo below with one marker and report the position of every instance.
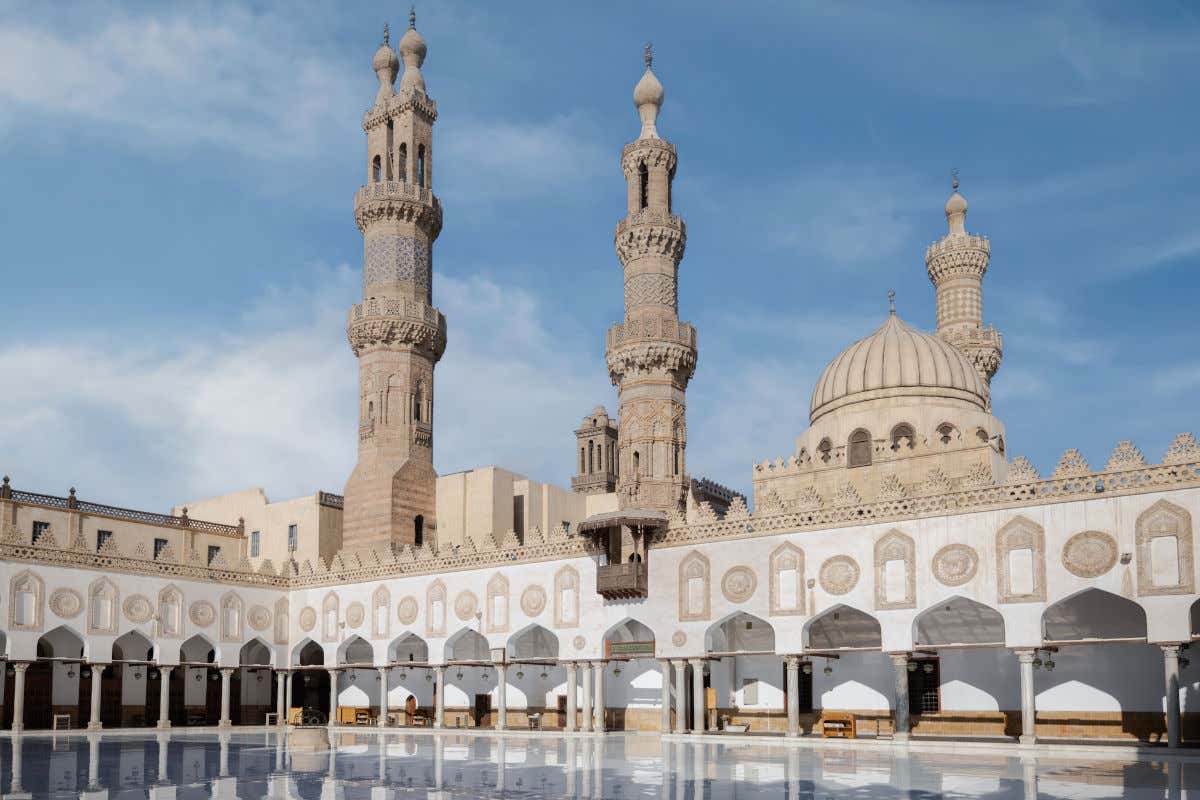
(1021, 536)
(890, 548)
(650, 289)
(678, 638)
(839, 574)
(1125, 456)
(308, 619)
(259, 618)
(1166, 570)
(533, 600)
(465, 605)
(937, 482)
(738, 584)
(355, 614)
(846, 495)
(566, 597)
(66, 603)
(1021, 471)
(955, 564)
(579, 642)
(1183, 450)
(978, 475)
(407, 610)
(138, 609)
(787, 580)
(389, 259)
(1089, 554)
(890, 488)
(1071, 465)
(282, 615)
(202, 613)
(26, 592)
(695, 591)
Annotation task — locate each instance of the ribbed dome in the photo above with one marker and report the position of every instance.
(897, 361)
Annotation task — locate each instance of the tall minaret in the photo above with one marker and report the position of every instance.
(651, 355)
(956, 265)
(396, 332)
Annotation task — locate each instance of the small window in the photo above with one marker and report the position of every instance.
(403, 163)
(945, 433)
(421, 165)
(637, 464)
(292, 538)
(101, 538)
(982, 435)
(419, 530)
(376, 169)
(643, 184)
(903, 436)
(859, 454)
(825, 449)
(254, 544)
(39, 528)
(213, 552)
(519, 517)
(924, 686)
(159, 546)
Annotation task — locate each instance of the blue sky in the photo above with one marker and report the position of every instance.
(179, 246)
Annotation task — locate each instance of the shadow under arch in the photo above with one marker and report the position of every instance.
(1194, 614)
(959, 620)
(842, 627)
(629, 638)
(740, 633)
(198, 649)
(310, 683)
(357, 651)
(255, 653)
(533, 643)
(62, 643)
(1093, 615)
(408, 648)
(467, 646)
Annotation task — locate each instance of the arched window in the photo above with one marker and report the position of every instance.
(945, 433)
(370, 411)
(675, 457)
(859, 450)
(982, 435)
(419, 530)
(644, 184)
(591, 458)
(600, 457)
(421, 165)
(637, 463)
(903, 436)
(376, 169)
(825, 449)
(582, 462)
(418, 400)
(403, 162)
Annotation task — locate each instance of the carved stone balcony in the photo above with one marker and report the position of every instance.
(622, 581)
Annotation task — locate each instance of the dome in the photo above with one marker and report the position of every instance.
(412, 48)
(957, 204)
(648, 90)
(385, 59)
(897, 361)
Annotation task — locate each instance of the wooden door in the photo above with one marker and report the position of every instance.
(153, 689)
(177, 712)
(212, 697)
(110, 695)
(483, 710)
(38, 680)
(562, 711)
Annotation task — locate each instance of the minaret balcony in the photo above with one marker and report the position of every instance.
(623, 581)
(651, 330)
(395, 190)
(398, 200)
(396, 321)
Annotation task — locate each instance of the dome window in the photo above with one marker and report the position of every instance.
(859, 451)
(903, 436)
(825, 450)
(945, 433)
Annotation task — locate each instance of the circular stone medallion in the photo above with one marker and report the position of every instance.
(533, 600)
(579, 642)
(138, 609)
(259, 618)
(465, 605)
(839, 574)
(407, 610)
(66, 603)
(308, 618)
(955, 564)
(355, 614)
(738, 584)
(679, 638)
(1089, 554)
(202, 613)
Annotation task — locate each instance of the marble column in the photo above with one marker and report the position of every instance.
(15, 788)
(439, 756)
(900, 669)
(226, 675)
(665, 724)
(793, 695)
(223, 755)
(599, 723)
(164, 697)
(384, 674)
(18, 718)
(585, 716)
(501, 696)
(680, 696)
(333, 697)
(572, 699)
(1171, 675)
(93, 761)
(290, 675)
(94, 723)
(697, 695)
(439, 706)
(164, 743)
(1028, 698)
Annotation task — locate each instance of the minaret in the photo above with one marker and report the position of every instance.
(396, 333)
(651, 355)
(956, 265)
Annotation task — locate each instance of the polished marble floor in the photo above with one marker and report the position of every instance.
(317, 765)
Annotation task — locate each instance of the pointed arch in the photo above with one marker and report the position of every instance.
(468, 645)
(355, 650)
(787, 580)
(695, 587)
(381, 618)
(330, 617)
(895, 571)
(103, 595)
(1093, 614)
(1021, 562)
(1164, 547)
(26, 601)
(282, 620)
(566, 597)
(533, 642)
(307, 653)
(198, 649)
(231, 617)
(842, 627)
(497, 604)
(132, 646)
(740, 633)
(170, 612)
(435, 609)
(61, 642)
(959, 620)
(255, 653)
(408, 648)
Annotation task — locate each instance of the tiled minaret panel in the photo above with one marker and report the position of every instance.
(396, 332)
(651, 354)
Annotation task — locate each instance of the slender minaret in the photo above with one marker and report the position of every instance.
(956, 265)
(396, 332)
(651, 355)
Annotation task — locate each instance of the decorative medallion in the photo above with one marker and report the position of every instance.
(738, 584)
(355, 614)
(533, 600)
(138, 609)
(202, 613)
(579, 642)
(1089, 554)
(407, 610)
(839, 574)
(955, 564)
(259, 618)
(465, 605)
(679, 638)
(66, 603)
(308, 618)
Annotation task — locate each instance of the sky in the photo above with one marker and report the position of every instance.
(178, 251)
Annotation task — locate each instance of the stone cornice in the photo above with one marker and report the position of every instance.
(651, 152)
(957, 255)
(641, 359)
(650, 232)
(396, 200)
(392, 321)
(398, 104)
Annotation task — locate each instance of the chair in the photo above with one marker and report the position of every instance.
(271, 718)
(362, 716)
(64, 719)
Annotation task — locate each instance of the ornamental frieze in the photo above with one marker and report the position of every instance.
(138, 609)
(838, 575)
(307, 619)
(1090, 554)
(738, 584)
(955, 564)
(66, 603)
(202, 613)
(259, 618)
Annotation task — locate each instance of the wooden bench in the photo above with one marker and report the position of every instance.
(838, 725)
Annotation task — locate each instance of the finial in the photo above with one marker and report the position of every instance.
(892, 300)
(649, 56)
(954, 179)
(412, 16)
(385, 34)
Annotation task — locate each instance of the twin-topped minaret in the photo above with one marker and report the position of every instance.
(396, 333)
(651, 355)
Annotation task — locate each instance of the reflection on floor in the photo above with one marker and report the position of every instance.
(314, 764)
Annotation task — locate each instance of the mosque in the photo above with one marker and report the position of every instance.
(899, 575)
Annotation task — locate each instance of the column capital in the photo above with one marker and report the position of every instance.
(165, 668)
(19, 666)
(1025, 655)
(571, 665)
(900, 659)
(227, 670)
(97, 667)
(1171, 649)
(792, 661)
(695, 662)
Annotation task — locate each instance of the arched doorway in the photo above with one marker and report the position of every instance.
(960, 643)
(54, 684)
(124, 692)
(844, 666)
(745, 682)
(532, 654)
(412, 683)
(252, 685)
(634, 696)
(195, 685)
(310, 687)
(470, 680)
(358, 687)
